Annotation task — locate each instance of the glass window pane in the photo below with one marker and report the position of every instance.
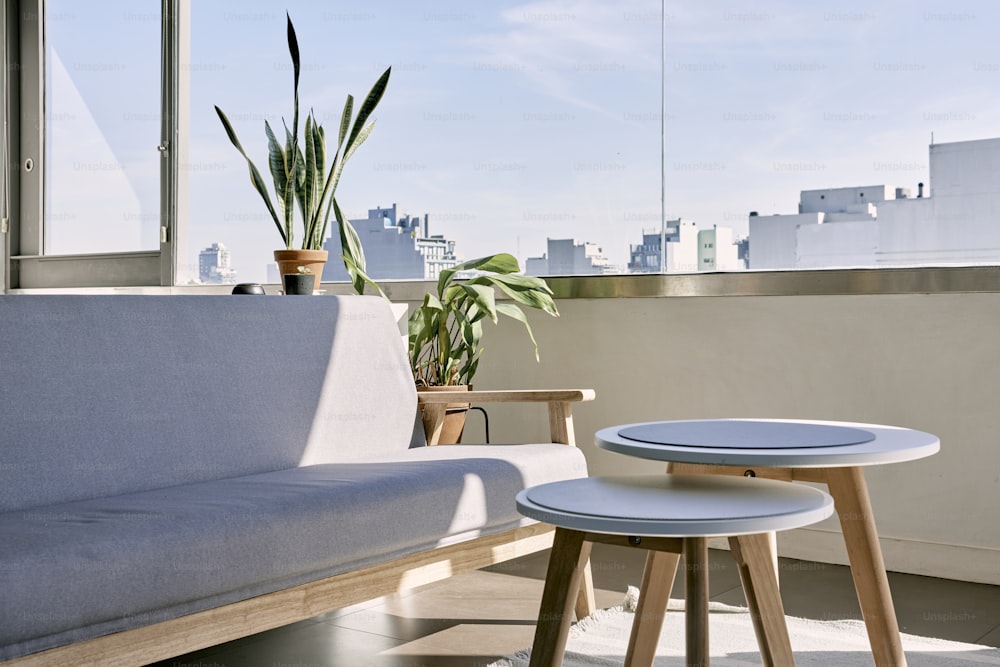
(102, 126)
(504, 125)
(837, 134)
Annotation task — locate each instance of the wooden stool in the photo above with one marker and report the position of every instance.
(671, 516)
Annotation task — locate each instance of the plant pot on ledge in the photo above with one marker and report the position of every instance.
(289, 262)
(454, 417)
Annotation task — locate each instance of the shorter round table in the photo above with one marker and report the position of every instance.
(674, 515)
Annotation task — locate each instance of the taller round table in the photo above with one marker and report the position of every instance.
(825, 452)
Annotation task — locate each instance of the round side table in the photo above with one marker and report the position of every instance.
(671, 515)
(825, 452)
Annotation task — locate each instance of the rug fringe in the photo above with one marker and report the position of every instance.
(631, 603)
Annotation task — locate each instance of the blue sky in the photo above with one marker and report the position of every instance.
(509, 122)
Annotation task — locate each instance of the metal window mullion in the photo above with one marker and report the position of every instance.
(9, 127)
(31, 149)
(175, 105)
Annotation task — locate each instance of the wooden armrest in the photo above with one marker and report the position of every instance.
(560, 415)
(508, 396)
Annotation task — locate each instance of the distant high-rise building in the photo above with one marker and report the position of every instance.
(395, 248)
(566, 257)
(213, 266)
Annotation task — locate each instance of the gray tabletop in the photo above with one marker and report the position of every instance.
(768, 442)
(675, 505)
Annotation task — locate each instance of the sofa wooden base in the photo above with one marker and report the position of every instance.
(222, 624)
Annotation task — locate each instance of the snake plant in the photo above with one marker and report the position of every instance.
(446, 330)
(301, 175)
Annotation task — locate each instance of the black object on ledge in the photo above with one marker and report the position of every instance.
(248, 288)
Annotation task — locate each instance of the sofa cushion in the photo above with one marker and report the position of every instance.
(78, 570)
(112, 394)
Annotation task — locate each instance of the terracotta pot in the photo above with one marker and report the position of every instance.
(454, 417)
(289, 262)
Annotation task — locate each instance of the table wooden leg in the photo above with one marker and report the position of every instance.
(696, 600)
(569, 558)
(586, 603)
(753, 556)
(850, 496)
(654, 594)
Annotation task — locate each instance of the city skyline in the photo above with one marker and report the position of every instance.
(833, 227)
(522, 121)
(760, 105)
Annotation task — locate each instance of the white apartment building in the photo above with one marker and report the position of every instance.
(688, 249)
(954, 222)
(566, 257)
(717, 250)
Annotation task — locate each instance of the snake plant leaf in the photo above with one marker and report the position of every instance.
(359, 278)
(345, 120)
(334, 179)
(368, 106)
(277, 164)
(293, 51)
(515, 313)
(255, 177)
(297, 174)
(338, 155)
(359, 132)
(357, 142)
(353, 254)
(349, 241)
(300, 189)
(297, 166)
(309, 189)
(320, 151)
(281, 172)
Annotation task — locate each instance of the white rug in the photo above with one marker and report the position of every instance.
(601, 639)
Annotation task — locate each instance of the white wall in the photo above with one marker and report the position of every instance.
(840, 244)
(842, 199)
(929, 362)
(773, 239)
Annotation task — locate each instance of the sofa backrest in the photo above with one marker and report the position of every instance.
(103, 395)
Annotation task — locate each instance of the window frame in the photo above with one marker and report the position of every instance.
(26, 264)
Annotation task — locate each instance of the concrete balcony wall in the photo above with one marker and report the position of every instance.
(918, 349)
(924, 361)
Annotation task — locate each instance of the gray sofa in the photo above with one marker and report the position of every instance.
(179, 471)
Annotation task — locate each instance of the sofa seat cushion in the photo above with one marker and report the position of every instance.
(79, 570)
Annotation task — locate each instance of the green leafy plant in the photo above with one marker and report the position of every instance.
(301, 174)
(446, 330)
